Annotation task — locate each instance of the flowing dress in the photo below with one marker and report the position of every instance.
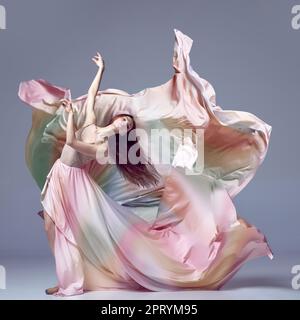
(182, 234)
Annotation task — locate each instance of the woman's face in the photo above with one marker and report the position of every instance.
(123, 124)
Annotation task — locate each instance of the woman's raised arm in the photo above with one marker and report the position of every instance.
(92, 92)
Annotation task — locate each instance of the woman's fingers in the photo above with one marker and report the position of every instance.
(65, 102)
(69, 108)
(98, 60)
(98, 55)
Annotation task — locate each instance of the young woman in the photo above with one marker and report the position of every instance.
(196, 239)
(70, 193)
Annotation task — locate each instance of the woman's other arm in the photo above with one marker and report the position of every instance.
(56, 104)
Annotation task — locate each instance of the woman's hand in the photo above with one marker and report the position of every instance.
(99, 60)
(57, 104)
(68, 106)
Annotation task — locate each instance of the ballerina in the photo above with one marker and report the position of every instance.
(68, 175)
(196, 239)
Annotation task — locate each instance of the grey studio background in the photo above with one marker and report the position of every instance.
(248, 50)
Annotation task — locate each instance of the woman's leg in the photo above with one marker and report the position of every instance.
(69, 266)
(50, 231)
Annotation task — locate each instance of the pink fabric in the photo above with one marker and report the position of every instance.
(34, 91)
(180, 250)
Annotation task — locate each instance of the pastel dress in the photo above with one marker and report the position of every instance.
(182, 234)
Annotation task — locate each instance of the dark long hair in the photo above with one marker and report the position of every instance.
(142, 173)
